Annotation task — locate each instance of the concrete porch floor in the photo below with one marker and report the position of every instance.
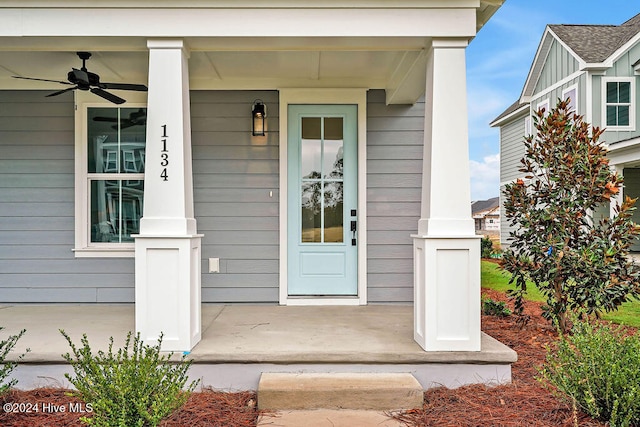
(239, 342)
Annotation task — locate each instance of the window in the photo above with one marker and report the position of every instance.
(527, 125)
(110, 179)
(115, 170)
(571, 93)
(543, 105)
(618, 105)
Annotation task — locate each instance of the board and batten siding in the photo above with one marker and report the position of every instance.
(37, 209)
(236, 194)
(558, 65)
(395, 139)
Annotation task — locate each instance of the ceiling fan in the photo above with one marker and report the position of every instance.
(85, 80)
(136, 118)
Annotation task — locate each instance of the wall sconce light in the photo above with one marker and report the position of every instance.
(258, 114)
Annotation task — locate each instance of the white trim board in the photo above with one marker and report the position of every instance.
(356, 96)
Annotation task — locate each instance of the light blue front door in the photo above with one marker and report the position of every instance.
(322, 200)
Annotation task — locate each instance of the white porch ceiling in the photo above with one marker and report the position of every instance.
(239, 44)
(227, 64)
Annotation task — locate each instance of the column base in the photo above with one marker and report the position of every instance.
(168, 295)
(447, 293)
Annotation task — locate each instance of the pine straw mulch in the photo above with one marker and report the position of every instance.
(206, 408)
(524, 402)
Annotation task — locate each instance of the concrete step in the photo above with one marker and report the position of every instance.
(364, 391)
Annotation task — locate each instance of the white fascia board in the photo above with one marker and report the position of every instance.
(624, 152)
(558, 84)
(623, 49)
(541, 55)
(519, 112)
(205, 22)
(244, 4)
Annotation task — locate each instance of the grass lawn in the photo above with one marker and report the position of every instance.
(493, 277)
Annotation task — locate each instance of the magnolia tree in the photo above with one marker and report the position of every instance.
(579, 263)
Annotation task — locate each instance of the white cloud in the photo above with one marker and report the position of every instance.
(485, 177)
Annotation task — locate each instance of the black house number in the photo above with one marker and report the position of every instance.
(164, 155)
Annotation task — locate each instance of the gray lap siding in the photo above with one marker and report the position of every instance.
(236, 194)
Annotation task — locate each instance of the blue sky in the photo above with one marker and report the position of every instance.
(498, 61)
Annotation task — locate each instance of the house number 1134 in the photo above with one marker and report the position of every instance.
(164, 155)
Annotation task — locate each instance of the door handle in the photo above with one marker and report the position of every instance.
(353, 232)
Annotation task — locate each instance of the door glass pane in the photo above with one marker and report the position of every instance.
(332, 161)
(116, 208)
(311, 151)
(311, 212)
(333, 128)
(311, 128)
(333, 209)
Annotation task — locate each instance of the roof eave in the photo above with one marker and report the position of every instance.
(500, 121)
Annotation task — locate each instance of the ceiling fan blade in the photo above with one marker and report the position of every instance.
(42, 80)
(108, 96)
(60, 92)
(123, 86)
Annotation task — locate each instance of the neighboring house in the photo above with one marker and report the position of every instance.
(597, 68)
(184, 195)
(486, 215)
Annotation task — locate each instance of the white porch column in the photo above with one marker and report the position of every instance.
(168, 246)
(446, 249)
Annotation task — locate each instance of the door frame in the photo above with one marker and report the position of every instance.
(324, 96)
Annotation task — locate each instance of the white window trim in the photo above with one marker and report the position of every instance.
(544, 103)
(325, 96)
(83, 247)
(528, 128)
(574, 99)
(632, 105)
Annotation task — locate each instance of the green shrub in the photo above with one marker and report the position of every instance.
(598, 368)
(495, 308)
(133, 387)
(7, 367)
(486, 247)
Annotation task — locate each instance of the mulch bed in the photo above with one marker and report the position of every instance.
(524, 402)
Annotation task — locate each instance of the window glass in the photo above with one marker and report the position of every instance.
(571, 96)
(115, 150)
(322, 152)
(618, 95)
(116, 208)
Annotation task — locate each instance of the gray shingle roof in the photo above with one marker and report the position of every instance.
(595, 43)
(592, 43)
